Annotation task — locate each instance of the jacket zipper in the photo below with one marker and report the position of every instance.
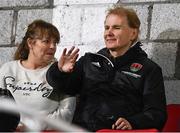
(105, 58)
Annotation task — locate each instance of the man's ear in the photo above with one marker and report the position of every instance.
(134, 34)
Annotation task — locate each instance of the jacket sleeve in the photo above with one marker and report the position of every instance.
(56, 78)
(154, 113)
(68, 83)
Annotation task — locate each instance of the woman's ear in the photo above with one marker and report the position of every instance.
(30, 43)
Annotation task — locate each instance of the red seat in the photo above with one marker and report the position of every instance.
(173, 121)
(153, 130)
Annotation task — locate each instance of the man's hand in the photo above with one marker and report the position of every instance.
(122, 124)
(67, 60)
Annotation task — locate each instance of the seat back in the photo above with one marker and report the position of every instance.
(173, 121)
(153, 130)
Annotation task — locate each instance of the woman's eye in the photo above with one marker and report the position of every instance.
(45, 41)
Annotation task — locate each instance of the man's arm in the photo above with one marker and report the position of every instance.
(154, 113)
(56, 78)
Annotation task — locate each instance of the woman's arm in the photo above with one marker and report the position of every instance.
(66, 109)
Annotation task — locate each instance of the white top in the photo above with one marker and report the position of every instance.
(30, 88)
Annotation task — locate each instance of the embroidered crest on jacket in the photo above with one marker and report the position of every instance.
(135, 67)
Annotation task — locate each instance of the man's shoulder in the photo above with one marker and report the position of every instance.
(102, 51)
(150, 64)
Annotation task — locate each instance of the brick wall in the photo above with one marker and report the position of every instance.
(15, 15)
(80, 23)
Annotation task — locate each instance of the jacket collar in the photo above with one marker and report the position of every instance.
(134, 53)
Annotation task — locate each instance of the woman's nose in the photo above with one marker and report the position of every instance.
(53, 44)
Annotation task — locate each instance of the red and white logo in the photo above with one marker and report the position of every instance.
(135, 67)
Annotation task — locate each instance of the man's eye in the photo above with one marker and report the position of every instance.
(117, 27)
(106, 28)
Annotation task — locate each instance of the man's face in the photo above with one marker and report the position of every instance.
(118, 35)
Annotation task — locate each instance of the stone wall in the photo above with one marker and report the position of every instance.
(80, 23)
(15, 15)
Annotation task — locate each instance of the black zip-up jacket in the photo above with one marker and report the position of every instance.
(8, 121)
(130, 86)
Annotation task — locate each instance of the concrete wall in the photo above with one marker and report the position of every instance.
(15, 15)
(80, 23)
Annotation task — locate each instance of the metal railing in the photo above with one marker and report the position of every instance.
(58, 125)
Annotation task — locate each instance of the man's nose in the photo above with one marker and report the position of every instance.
(110, 31)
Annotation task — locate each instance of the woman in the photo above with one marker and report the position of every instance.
(25, 77)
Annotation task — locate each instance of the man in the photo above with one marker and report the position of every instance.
(119, 87)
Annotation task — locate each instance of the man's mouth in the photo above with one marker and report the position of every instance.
(111, 40)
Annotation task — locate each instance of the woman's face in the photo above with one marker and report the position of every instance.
(43, 50)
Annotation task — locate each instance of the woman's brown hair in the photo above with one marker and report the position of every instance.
(37, 29)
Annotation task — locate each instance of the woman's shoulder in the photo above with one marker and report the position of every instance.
(9, 66)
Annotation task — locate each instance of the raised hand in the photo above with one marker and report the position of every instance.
(67, 60)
